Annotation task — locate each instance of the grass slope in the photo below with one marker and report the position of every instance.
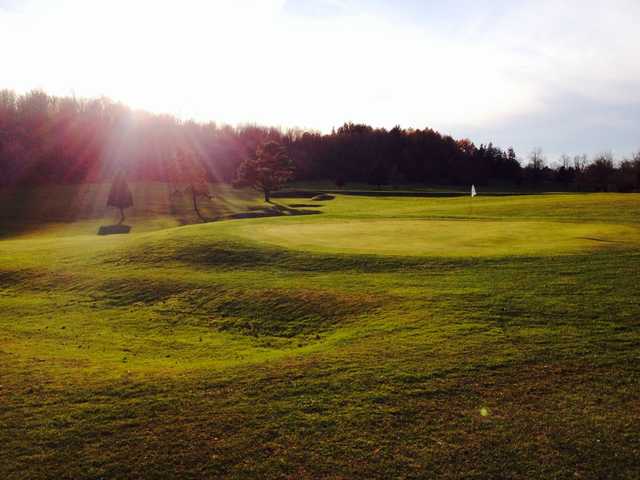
(258, 349)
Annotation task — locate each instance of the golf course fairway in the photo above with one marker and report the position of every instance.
(360, 337)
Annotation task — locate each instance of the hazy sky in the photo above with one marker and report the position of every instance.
(562, 75)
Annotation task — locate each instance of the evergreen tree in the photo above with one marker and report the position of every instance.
(120, 196)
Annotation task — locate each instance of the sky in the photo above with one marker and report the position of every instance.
(560, 75)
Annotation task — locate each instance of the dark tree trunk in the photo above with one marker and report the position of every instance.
(267, 196)
(121, 216)
(194, 198)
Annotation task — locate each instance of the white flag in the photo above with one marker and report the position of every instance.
(473, 191)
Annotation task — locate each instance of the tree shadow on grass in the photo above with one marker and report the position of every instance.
(15, 229)
(273, 210)
(114, 229)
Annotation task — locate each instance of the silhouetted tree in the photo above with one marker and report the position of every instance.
(47, 139)
(600, 171)
(536, 159)
(535, 168)
(630, 170)
(579, 166)
(120, 196)
(188, 169)
(379, 175)
(267, 170)
(628, 175)
(565, 173)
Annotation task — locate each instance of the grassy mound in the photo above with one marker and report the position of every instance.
(285, 313)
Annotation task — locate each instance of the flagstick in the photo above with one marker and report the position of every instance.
(473, 192)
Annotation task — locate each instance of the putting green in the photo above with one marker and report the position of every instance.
(450, 238)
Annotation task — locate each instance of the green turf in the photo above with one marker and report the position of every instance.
(381, 338)
(459, 238)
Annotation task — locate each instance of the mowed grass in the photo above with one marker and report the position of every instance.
(381, 338)
(457, 238)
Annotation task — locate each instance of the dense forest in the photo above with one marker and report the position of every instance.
(46, 139)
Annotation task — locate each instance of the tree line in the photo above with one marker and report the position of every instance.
(48, 139)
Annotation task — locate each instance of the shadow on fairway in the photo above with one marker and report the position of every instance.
(273, 210)
(114, 229)
(305, 205)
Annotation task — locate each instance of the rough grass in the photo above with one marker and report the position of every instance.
(204, 352)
